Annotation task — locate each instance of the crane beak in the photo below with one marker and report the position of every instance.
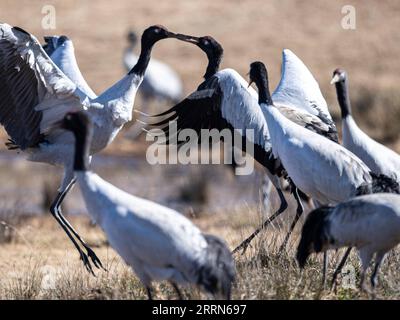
(187, 38)
(251, 80)
(336, 78)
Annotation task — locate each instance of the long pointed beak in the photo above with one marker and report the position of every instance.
(250, 80)
(336, 78)
(186, 38)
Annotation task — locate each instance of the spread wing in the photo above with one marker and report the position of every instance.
(34, 93)
(61, 50)
(221, 102)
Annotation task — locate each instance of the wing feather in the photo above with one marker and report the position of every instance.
(29, 80)
(223, 101)
(298, 89)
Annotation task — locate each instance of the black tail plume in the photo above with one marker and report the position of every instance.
(218, 272)
(314, 234)
(380, 183)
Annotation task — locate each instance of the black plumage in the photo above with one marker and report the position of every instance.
(218, 273)
(314, 234)
(19, 94)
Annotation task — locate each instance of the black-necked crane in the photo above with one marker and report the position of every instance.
(376, 156)
(157, 242)
(35, 93)
(160, 81)
(323, 169)
(225, 100)
(371, 223)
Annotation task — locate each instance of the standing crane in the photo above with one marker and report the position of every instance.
(379, 158)
(371, 223)
(157, 242)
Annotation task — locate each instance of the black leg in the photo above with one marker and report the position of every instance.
(178, 292)
(96, 261)
(324, 268)
(56, 212)
(247, 241)
(378, 261)
(340, 267)
(149, 296)
(56, 215)
(299, 212)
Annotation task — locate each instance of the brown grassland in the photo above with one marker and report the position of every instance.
(36, 259)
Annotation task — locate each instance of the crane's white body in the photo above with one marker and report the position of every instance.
(157, 242)
(160, 81)
(240, 108)
(321, 168)
(371, 223)
(379, 158)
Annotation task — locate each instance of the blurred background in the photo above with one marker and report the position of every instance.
(248, 31)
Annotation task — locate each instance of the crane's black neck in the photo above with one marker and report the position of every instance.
(141, 65)
(264, 96)
(83, 137)
(214, 62)
(342, 91)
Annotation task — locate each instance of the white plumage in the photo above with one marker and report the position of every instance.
(61, 50)
(378, 157)
(323, 169)
(35, 94)
(298, 88)
(157, 242)
(318, 166)
(371, 223)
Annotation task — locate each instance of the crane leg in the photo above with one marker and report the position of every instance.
(148, 291)
(57, 213)
(244, 245)
(324, 269)
(340, 267)
(378, 260)
(177, 290)
(299, 212)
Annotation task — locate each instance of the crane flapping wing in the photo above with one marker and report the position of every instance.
(34, 93)
(223, 101)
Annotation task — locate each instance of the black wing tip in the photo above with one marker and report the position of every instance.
(383, 183)
(20, 30)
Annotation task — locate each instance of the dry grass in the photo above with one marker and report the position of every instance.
(41, 264)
